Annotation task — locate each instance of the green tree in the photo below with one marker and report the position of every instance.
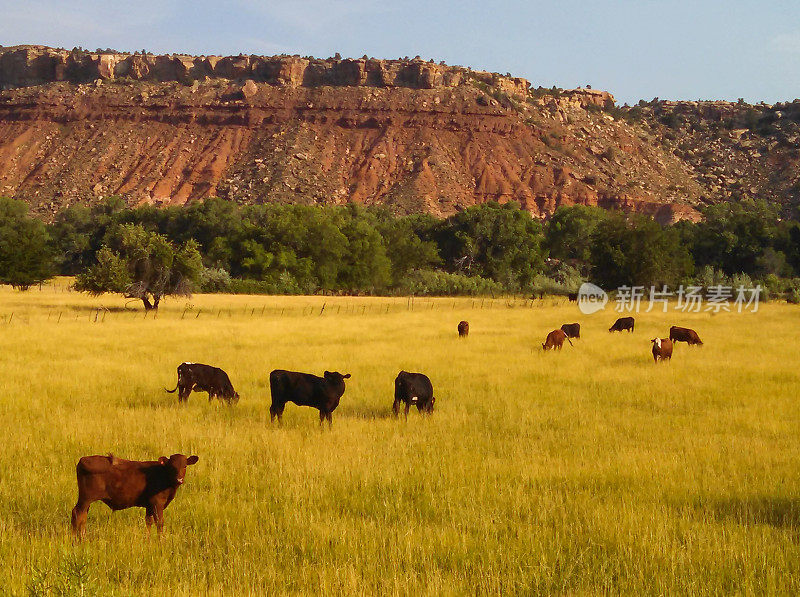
(26, 257)
(570, 231)
(78, 232)
(404, 247)
(144, 265)
(500, 242)
(635, 250)
(365, 264)
(734, 235)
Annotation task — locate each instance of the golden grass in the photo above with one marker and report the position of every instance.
(590, 470)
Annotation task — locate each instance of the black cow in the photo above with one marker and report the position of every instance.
(463, 329)
(621, 324)
(304, 389)
(204, 378)
(572, 330)
(572, 297)
(413, 388)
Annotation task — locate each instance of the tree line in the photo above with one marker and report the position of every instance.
(219, 246)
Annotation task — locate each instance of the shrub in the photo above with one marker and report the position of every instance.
(438, 283)
(215, 280)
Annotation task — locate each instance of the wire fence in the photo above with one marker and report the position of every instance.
(338, 308)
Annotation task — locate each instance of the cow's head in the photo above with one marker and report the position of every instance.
(657, 342)
(176, 465)
(335, 376)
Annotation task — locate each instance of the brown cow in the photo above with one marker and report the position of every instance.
(463, 329)
(555, 339)
(122, 484)
(688, 335)
(662, 349)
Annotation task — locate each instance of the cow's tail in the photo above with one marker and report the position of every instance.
(171, 391)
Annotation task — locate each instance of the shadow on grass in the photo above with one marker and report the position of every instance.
(72, 308)
(778, 512)
(369, 413)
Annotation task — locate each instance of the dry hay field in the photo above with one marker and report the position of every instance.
(587, 471)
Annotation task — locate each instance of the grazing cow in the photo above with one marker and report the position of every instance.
(662, 349)
(463, 329)
(572, 330)
(304, 389)
(555, 339)
(203, 378)
(572, 297)
(623, 323)
(124, 484)
(413, 388)
(688, 335)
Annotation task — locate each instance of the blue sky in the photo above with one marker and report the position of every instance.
(702, 49)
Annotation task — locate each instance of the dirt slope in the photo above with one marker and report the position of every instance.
(415, 136)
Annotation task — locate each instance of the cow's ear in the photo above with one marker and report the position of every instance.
(192, 459)
(346, 376)
(163, 460)
(326, 374)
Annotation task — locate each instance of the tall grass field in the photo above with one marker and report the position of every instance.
(590, 470)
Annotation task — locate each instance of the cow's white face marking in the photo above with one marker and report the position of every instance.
(658, 342)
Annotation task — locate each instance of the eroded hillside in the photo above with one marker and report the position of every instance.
(413, 135)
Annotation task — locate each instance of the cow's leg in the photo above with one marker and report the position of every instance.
(329, 416)
(322, 416)
(79, 514)
(396, 408)
(158, 512)
(276, 410)
(183, 393)
(408, 407)
(149, 517)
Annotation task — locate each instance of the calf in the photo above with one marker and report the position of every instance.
(662, 349)
(572, 297)
(463, 329)
(688, 335)
(304, 389)
(555, 339)
(413, 388)
(572, 330)
(623, 323)
(203, 378)
(125, 484)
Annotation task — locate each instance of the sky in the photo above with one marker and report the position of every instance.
(636, 49)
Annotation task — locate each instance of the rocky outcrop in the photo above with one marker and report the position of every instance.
(732, 149)
(22, 66)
